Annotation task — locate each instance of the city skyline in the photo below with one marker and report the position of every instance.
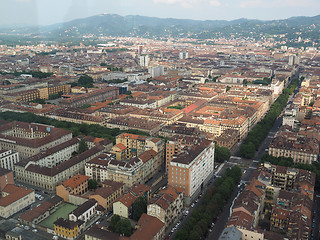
(36, 12)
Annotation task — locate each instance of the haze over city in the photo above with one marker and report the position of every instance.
(45, 12)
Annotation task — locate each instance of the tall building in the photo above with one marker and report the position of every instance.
(183, 55)
(156, 71)
(192, 169)
(144, 60)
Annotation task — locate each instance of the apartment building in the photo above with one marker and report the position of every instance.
(76, 185)
(8, 158)
(123, 205)
(29, 139)
(108, 193)
(22, 96)
(192, 169)
(84, 212)
(49, 178)
(6, 177)
(175, 145)
(78, 100)
(126, 123)
(52, 89)
(14, 199)
(55, 155)
(167, 206)
(149, 228)
(129, 171)
(300, 149)
(138, 144)
(67, 229)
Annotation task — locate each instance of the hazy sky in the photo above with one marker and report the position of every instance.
(44, 12)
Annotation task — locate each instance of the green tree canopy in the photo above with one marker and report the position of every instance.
(92, 184)
(139, 207)
(123, 226)
(221, 154)
(83, 146)
(85, 81)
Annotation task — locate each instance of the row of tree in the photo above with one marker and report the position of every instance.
(198, 224)
(93, 130)
(257, 135)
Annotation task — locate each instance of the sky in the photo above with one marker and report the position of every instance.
(46, 12)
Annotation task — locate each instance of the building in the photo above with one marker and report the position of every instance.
(84, 212)
(6, 177)
(96, 233)
(29, 139)
(192, 169)
(22, 96)
(148, 228)
(137, 144)
(123, 206)
(8, 158)
(228, 138)
(40, 212)
(290, 144)
(136, 170)
(175, 145)
(14, 199)
(108, 193)
(167, 206)
(144, 60)
(67, 229)
(49, 178)
(156, 71)
(76, 185)
(47, 92)
(98, 95)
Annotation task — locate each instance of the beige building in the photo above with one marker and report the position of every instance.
(108, 194)
(76, 185)
(167, 206)
(49, 178)
(14, 199)
(123, 206)
(137, 170)
(29, 139)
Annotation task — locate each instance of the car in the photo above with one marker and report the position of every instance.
(192, 205)
(35, 230)
(312, 225)
(26, 227)
(98, 222)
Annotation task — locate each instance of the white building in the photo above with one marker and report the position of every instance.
(156, 71)
(191, 170)
(85, 211)
(144, 60)
(8, 158)
(56, 155)
(14, 199)
(183, 55)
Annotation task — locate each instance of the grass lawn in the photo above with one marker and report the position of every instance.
(63, 212)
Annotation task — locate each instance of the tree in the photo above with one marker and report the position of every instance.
(221, 154)
(228, 88)
(85, 81)
(92, 184)
(114, 220)
(83, 146)
(139, 207)
(123, 226)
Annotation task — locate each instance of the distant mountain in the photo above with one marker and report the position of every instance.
(135, 25)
